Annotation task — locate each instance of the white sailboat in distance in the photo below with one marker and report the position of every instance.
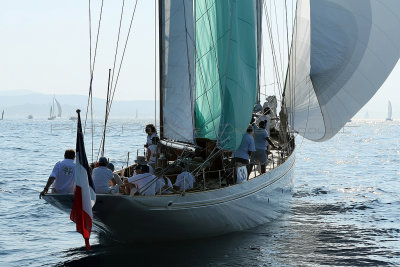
(53, 115)
(389, 116)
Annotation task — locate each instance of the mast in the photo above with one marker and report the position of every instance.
(160, 66)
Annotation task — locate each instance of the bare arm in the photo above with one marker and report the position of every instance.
(270, 142)
(46, 188)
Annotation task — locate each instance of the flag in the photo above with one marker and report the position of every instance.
(85, 196)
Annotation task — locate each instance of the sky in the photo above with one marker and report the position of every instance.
(44, 47)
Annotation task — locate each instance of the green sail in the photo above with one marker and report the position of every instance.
(226, 69)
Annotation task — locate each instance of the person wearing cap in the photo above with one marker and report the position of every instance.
(143, 181)
(261, 138)
(140, 160)
(242, 155)
(63, 175)
(101, 177)
(265, 116)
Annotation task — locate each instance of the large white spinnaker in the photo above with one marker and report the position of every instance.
(177, 70)
(342, 52)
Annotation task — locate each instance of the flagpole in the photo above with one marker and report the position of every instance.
(85, 196)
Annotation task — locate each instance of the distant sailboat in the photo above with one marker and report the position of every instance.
(58, 107)
(53, 110)
(389, 116)
(2, 115)
(30, 117)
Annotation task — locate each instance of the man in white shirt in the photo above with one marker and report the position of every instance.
(144, 181)
(163, 183)
(101, 177)
(63, 175)
(261, 138)
(184, 181)
(265, 117)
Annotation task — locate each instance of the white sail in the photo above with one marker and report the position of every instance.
(58, 107)
(389, 116)
(342, 52)
(177, 70)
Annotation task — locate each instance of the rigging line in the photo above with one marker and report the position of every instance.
(102, 142)
(155, 66)
(275, 64)
(273, 50)
(279, 42)
(276, 67)
(106, 117)
(270, 35)
(287, 30)
(90, 71)
(90, 37)
(93, 65)
(123, 54)
(116, 48)
(294, 66)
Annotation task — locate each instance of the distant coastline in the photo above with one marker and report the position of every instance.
(21, 103)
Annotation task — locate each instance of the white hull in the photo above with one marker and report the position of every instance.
(193, 215)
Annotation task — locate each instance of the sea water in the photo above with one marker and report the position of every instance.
(345, 208)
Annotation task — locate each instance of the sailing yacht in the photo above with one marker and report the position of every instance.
(2, 115)
(210, 62)
(389, 116)
(53, 115)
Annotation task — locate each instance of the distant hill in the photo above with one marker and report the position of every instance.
(21, 103)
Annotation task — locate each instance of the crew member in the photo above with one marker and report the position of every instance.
(63, 175)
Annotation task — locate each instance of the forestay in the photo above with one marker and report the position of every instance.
(341, 54)
(226, 68)
(177, 69)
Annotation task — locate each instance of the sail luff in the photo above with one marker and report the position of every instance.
(176, 70)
